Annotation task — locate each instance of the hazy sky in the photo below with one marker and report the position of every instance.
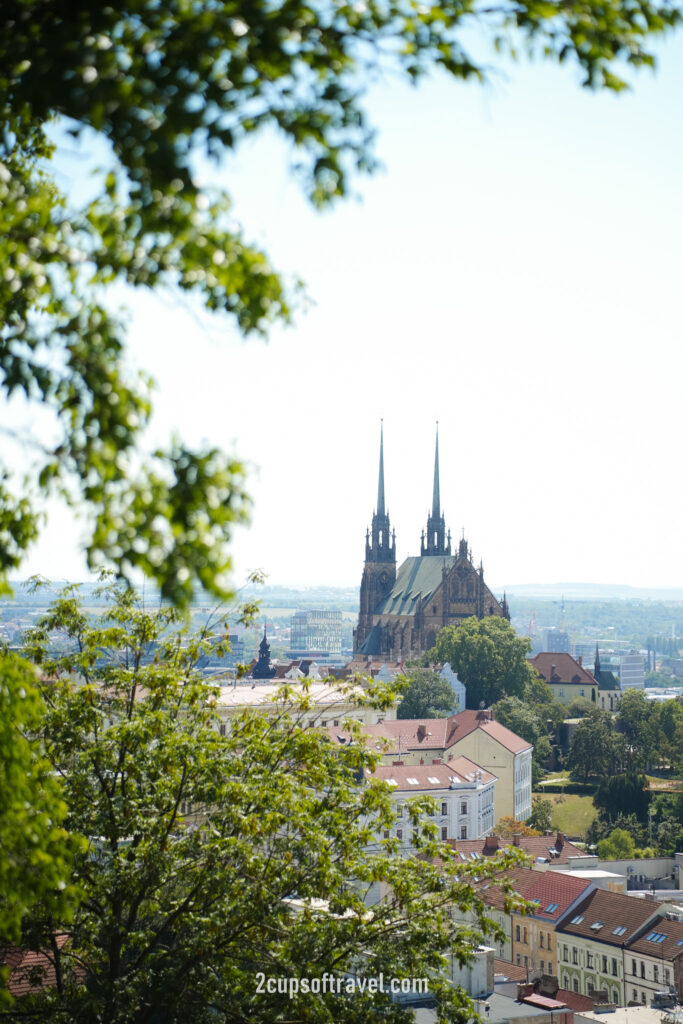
(515, 273)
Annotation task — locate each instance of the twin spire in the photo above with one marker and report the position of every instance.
(435, 540)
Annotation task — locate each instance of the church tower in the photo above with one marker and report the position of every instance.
(436, 541)
(379, 571)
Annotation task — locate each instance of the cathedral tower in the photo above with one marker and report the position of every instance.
(379, 571)
(436, 541)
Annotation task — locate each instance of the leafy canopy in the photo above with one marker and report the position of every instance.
(160, 84)
(427, 695)
(211, 857)
(488, 657)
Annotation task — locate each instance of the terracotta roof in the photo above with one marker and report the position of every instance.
(555, 893)
(534, 846)
(513, 972)
(465, 722)
(610, 917)
(30, 971)
(558, 667)
(667, 948)
(431, 776)
(574, 1000)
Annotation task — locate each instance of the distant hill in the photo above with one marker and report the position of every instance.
(590, 592)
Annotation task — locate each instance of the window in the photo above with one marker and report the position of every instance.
(222, 730)
(642, 998)
(542, 940)
(518, 932)
(336, 721)
(444, 808)
(589, 960)
(615, 968)
(519, 960)
(526, 961)
(399, 833)
(667, 976)
(565, 955)
(635, 994)
(575, 956)
(463, 831)
(619, 930)
(634, 967)
(550, 946)
(576, 984)
(444, 833)
(565, 981)
(655, 973)
(525, 938)
(604, 965)
(542, 965)
(324, 723)
(589, 987)
(399, 810)
(551, 908)
(463, 807)
(577, 920)
(386, 833)
(642, 969)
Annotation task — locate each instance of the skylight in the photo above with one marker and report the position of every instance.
(577, 920)
(656, 937)
(597, 925)
(413, 781)
(434, 781)
(619, 930)
(392, 782)
(551, 908)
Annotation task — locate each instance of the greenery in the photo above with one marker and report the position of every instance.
(622, 794)
(211, 857)
(572, 813)
(427, 695)
(489, 658)
(524, 720)
(35, 850)
(157, 85)
(596, 750)
(618, 845)
(541, 815)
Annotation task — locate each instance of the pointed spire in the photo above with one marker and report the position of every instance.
(380, 486)
(436, 499)
(596, 667)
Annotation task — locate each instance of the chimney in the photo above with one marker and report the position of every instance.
(437, 760)
(422, 760)
(421, 731)
(396, 763)
(516, 838)
(559, 841)
(581, 660)
(492, 843)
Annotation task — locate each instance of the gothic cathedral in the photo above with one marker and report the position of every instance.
(401, 613)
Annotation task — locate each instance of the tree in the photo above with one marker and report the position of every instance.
(633, 719)
(522, 719)
(427, 695)
(580, 707)
(35, 849)
(595, 749)
(623, 794)
(508, 827)
(212, 857)
(488, 657)
(619, 845)
(160, 84)
(541, 817)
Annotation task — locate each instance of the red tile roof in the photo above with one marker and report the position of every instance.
(668, 948)
(30, 971)
(548, 888)
(534, 846)
(558, 667)
(574, 1000)
(513, 972)
(610, 917)
(431, 776)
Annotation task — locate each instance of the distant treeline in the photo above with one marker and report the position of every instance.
(631, 620)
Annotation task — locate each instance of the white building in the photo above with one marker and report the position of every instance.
(463, 793)
(632, 671)
(457, 686)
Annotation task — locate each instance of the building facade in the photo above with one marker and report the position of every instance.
(401, 612)
(316, 633)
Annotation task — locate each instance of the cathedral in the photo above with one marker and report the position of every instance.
(401, 613)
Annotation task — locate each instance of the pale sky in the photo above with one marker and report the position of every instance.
(515, 273)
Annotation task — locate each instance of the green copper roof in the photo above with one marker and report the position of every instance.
(417, 577)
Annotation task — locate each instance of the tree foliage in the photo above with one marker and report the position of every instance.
(618, 845)
(159, 85)
(623, 794)
(541, 817)
(427, 695)
(211, 857)
(488, 657)
(596, 750)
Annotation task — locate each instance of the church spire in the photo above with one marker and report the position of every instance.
(380, 485)
(596, 667)
(436, 498)
(380, 543)
(436, 542)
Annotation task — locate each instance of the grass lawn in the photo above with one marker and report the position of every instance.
(572, 814)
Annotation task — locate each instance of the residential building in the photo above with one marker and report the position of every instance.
(654, 961)
(550, 852)
(566, 677)
(463, 793)
(592, 943)
(402, 612)
(472, 734)
(330, 704)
